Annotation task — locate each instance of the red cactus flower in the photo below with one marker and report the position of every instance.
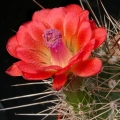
(55, 43)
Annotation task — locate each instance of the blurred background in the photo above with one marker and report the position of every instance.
(12, 14)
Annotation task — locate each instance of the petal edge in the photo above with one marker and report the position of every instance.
(87, 68)
(59, 81)
(14, 70)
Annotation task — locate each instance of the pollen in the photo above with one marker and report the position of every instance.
(52, 38)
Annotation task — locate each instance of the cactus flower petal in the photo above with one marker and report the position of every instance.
(12, 46)
(74, 8)
(59, 81)
(13, 70)
(87, 68)
(100, 35)
(41, 16)
(56, 43)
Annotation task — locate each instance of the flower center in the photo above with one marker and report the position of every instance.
(60, 55)
(52, 38)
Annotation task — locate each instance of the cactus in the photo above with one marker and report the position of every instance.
(96, 97)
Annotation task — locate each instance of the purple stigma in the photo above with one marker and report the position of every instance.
(52, 38)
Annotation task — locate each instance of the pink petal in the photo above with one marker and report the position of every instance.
(60, 55)
(56, 17)
(41, 16)
(87, 68)
(11, 46)
(74, 8)
(31, 56)
(84, 34)
(59, 81)
(14, 70)
(100, 35)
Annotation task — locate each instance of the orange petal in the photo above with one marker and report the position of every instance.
(93, 24)
(28, 67)
(59, 81)
(87, 68)
(84, 53)
(84, 16)
(11, 46)
(39, 76)
(31, 56)
(56, 17)
(25, 40)
(35, 69)
(36, 30)
(74, 8)
(14, 70)
(100, 35)
(84, 34)
(60, 77)
(41, 16)
(44, 73)
(70, 26)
